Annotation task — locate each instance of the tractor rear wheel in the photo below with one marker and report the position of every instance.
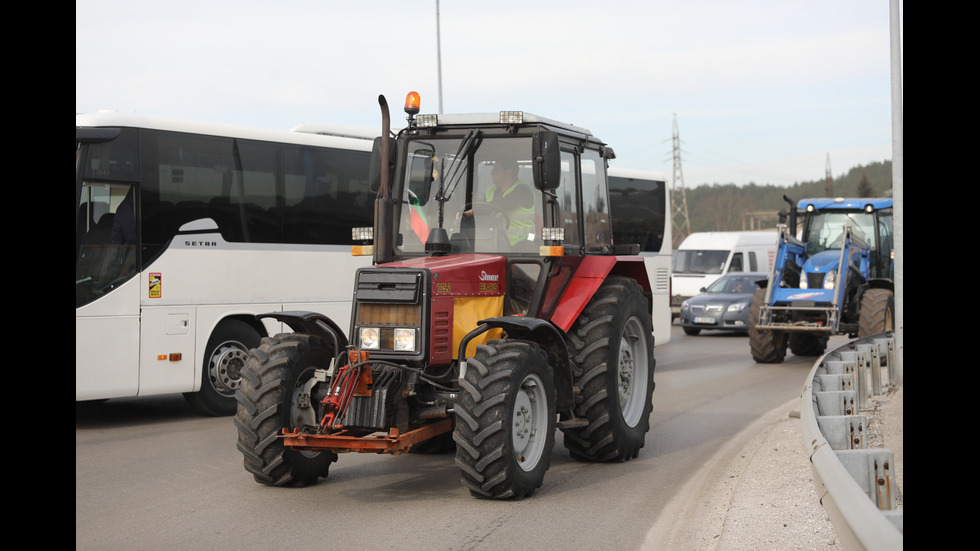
(613, 354)
(505, 420)
(278, 391)
(877, 313)
(768, 346)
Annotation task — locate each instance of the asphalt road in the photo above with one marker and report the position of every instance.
(151, 474)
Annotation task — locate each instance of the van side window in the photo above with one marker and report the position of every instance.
(753, 263)
(736, 265)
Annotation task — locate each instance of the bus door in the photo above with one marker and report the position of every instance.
(106, 293)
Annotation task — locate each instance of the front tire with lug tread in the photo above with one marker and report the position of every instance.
(277, 392)
(505, 420)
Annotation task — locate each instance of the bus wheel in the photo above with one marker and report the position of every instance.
(226, 354)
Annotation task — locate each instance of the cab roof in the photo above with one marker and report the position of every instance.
(843, 203)
(501, 118)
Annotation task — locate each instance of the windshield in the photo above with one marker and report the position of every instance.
(826, 230)
(699, 262)
(737, 285)
(479, 190)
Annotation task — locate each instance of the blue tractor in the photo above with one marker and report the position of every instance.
(835, 277)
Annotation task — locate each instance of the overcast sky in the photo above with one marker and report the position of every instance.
(762, 90)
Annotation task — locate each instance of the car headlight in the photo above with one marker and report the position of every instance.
(370, 338)
(830, 280)
(404, 339)
(685, 306)
(738, 306)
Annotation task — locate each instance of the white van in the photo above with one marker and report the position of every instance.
(703, 257)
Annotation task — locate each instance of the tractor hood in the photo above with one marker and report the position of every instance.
(823, 262)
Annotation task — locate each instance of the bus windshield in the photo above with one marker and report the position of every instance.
(479, 190)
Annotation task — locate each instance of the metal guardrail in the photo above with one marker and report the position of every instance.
(856, 485)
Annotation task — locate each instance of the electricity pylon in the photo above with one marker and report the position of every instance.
(678, 200)
(828, 186)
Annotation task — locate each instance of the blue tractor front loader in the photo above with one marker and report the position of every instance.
(834, 277)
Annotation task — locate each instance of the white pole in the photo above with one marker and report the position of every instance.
(439, 56)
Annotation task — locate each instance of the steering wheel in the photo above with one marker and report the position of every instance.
(495, 210)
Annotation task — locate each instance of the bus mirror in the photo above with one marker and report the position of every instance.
(420, 176)
(547, 160)
(374, 172)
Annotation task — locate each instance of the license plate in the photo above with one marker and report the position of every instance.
(704, 320)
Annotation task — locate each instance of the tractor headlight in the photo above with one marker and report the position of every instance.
(370, 338)
(831, 280)
(404, 339)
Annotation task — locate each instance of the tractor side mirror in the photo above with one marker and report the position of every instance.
(546, 154)
(420, 176)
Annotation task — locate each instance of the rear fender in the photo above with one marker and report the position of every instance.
(542, 332)
(589, 276)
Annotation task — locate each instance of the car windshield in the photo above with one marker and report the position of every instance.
(479, 190)
(738, 284)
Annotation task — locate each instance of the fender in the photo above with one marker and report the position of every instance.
(312, 323)
(591, 273)
(550, 338)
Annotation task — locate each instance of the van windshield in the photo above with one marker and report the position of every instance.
(699, 262)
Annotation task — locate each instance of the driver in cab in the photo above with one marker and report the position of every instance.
(509, 196)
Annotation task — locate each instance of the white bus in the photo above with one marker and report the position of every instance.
(640, 209)
(185, 231)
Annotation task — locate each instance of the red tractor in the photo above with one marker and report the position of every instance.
(498, 309)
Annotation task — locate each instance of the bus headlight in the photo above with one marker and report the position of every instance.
(404, 339)
(370, 338)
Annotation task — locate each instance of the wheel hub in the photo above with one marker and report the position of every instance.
(529, 420)
(225, 368)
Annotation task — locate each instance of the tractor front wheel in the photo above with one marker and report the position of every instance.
(278, 391)
(505, 420)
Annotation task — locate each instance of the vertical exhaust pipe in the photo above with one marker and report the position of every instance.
(383, 250)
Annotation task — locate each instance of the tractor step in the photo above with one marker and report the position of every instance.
(575, 423)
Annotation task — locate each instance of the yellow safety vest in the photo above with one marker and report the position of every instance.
(521, 218)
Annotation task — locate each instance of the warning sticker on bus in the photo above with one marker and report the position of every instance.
(156, 290)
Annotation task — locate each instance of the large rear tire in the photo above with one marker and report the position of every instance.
(877, 312)
(768, 346)
(613, 342)
(505, 420)
(278, 391)
(224, 359)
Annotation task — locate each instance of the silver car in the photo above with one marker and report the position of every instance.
(723, 305)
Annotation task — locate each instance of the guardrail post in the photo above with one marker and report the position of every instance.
(872, 470)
